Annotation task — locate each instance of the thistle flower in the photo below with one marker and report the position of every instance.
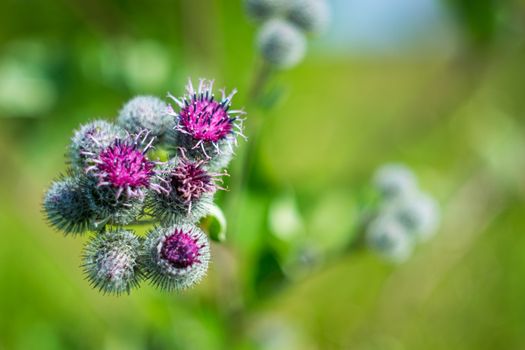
(66, 207)
(311, 16)
(90, 139)
(388, 238)
(206, 128)
(145, 113)
(110, 261)
(260, 10)
(185, 191)
(394, 180)
(176, 257)
(418, 213)
(281, 43)
(119, 176)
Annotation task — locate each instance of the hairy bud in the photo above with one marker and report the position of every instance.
(145, 113)
(90, 139)
(260, 10)
(281, 43)
(66, 207)
(389, 239)
(394, 180)
(418, 213)
(311, 16)
(110, 261)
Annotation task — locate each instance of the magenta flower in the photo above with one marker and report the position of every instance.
(123, 166)
(181, 249)
(176, 257)
(206, 125)
(191, 180)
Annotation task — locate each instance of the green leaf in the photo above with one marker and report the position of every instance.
(215, 224)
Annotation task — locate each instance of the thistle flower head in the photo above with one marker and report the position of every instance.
(183, 191)
(124, 167)
(111, 261)
(260, 10)
(311, 16)
(281, 43)
(394, 181)
(190, 180)
(145, 113)
(90, 139)
(205, 127)
(176, 257)
(66, 207)
(388, 238)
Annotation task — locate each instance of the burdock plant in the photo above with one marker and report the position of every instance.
(115, 182)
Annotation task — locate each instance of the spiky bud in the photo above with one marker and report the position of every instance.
(90, 139)
(118, 177)
(66, 206)
(206, 128)
(311, 16)
(145, 113)
(260, 10)
(418, 213)
(176, 257)
(183, 191)
(281, 44)
(394, 180)
(110, 261)
(389, 239)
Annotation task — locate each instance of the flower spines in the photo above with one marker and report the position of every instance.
(207, 128)
(66, 207)
(89, 140)
(185, 190)
(176, 257)
(111, 261)
(145, 113)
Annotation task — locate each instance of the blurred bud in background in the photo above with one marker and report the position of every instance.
(281, 43)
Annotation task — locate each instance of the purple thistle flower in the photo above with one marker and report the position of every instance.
(184, 190)
(180, 249)
(123, 166)
(176, 257)
(205, 125)
(191, 180)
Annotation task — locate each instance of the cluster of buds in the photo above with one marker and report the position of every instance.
(284, 25)
(115, 180)
(406, 214)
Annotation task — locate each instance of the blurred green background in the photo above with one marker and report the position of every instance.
(437, 85)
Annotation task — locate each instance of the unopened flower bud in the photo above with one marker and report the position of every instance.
(66, 207)
(145, 113)
(111, 261)
(389, 239)
(311, 16)
(90, 139)
(260, 10)
(394, 180)
(281, 43)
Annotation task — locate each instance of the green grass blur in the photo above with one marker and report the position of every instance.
(456, 119)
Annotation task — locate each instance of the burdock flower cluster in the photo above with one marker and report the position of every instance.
(284, 25)
(406, 215)
(116, 180)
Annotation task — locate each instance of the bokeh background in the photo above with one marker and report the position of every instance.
(436, 84)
